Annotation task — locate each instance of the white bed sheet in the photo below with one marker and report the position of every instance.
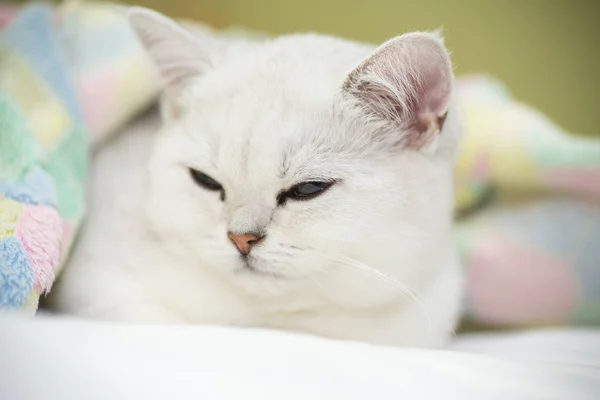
(51, 358)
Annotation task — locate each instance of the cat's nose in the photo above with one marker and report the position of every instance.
(244, 242)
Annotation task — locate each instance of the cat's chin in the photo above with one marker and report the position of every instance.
(265, 282)
(252, 269)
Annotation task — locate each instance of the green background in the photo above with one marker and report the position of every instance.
(546, 51)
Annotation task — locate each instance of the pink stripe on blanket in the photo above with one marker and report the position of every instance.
(40, 232)
(98, 94)
(577, 181)
(512, 283)
(7, 12)
(481, 170)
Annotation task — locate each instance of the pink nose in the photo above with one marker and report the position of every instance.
(245, 242)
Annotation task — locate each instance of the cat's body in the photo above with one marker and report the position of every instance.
(366, 257)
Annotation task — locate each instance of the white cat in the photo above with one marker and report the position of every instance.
(301, 183)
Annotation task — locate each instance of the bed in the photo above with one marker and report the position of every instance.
(63, 358)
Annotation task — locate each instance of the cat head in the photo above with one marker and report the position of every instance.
(305, 167)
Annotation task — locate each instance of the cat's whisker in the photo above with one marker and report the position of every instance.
(365, 268)
(343, 261)
(216, 249)
(346, 261)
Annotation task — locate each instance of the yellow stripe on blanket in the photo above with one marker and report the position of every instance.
(46, 116)
(494, 152)
(10, 210)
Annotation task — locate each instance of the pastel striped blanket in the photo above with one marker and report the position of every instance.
(528, 194)
(68, 77)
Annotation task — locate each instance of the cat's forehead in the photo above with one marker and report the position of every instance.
(268, 114)
(269, 107)
(267, 138)
(294, 70)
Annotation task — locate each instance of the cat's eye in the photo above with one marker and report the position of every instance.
(206, 182)
(304, 191)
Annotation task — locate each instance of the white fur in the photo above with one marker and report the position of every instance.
(371, 259)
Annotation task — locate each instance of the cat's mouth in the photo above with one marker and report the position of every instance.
(250, 266)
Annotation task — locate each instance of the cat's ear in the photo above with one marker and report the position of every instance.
(406, 82)
(178, 55)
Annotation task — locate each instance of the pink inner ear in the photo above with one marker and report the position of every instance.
(431, 106)
(435, 89)
(407, 81)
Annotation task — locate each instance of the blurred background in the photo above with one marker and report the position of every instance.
(546, 51)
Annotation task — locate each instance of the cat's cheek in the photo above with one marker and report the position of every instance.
(174, 209)
(355, 291)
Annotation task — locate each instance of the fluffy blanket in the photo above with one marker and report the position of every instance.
(528, 194)
(68, 77)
